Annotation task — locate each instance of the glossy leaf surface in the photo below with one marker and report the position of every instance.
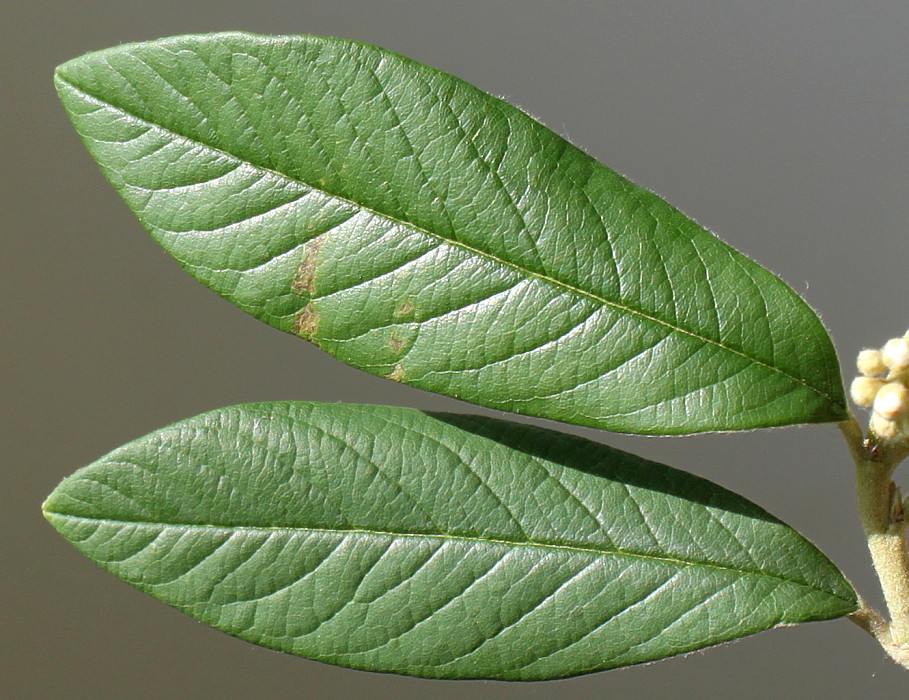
(437, 545)
(422, 230)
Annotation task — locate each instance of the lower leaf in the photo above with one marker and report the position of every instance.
(437, 545)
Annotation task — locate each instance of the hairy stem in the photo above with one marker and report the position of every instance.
(885, 533)
(874, 624)
(881, 512)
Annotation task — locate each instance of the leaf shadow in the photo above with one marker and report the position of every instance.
(599, 460)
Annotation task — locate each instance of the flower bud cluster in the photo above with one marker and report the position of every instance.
(884, 387)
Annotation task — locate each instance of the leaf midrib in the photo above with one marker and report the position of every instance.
(458, 244)
(529, 544)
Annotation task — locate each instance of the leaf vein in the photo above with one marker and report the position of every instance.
(561, 284)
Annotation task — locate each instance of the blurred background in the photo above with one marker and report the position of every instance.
(781, 126)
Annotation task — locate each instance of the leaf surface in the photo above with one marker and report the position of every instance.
(437, 545)
(422, 230)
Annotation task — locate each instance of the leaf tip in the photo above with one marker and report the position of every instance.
(57, 507)
(50, 511)
(63, 72)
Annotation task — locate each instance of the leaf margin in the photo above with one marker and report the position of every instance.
(849, 605)
(570, 415)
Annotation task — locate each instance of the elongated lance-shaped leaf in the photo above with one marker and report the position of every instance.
(422, 230)
(444, 546)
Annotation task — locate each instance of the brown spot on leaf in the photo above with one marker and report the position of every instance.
(305, 279)
(395, 343)
(396, 374)
(307, 322)
(404, 309)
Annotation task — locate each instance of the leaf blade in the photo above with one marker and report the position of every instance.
(437, 545)
(422, 230)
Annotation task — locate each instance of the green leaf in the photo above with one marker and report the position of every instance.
(437, 545)
(422, 230)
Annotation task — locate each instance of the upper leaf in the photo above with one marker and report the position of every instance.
(437, 545)
(422, 230)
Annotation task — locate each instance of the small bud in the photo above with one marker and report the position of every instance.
(864, 389)
(896, 353)
(891, 401)
(871, 363)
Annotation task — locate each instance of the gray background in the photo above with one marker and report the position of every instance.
(780, 125)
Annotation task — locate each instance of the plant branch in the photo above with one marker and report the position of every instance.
(881, 512)
(874, 624)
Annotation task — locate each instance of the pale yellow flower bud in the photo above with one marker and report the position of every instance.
(871, 363)
(864, 389)
(896, 353)
(891, 401)
(883, 428)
